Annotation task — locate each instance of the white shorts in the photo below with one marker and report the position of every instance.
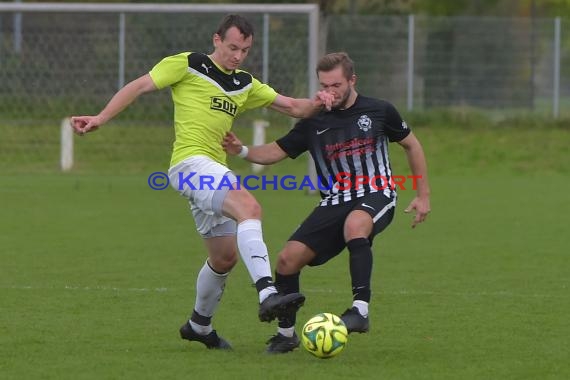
(205, 183)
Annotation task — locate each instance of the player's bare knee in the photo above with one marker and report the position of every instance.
(230, 262)
(353, 231)
(288, 263)
(224, 264)
(357, 226)
(282, 263)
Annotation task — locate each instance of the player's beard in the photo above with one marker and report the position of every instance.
(344, 100)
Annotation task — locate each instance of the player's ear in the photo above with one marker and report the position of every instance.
(216, 39)
(352, 80)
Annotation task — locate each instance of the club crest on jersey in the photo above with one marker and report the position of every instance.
(224, 105)
(364, 123)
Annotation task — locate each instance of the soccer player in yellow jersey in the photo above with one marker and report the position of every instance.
(208, 92)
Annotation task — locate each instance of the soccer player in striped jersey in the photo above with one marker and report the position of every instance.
(208, 92)
(349, 146)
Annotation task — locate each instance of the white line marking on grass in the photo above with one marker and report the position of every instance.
(499, 293)
(402, 292)
(414, 293)
(87, 288)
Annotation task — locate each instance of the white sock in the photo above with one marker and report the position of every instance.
(253, 252)
(286, 331)
(199, 329)
(362, 307)
(209, 289)
(264, 293)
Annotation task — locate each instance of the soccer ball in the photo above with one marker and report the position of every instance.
(324, 335)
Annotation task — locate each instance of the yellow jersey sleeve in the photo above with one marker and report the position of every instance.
(260, 95)
(170, 70)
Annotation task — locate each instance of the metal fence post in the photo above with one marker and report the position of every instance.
(18, 30)
(0, 40)
(410, 62)
(121, 79)
(265, 51)
(313, 81)
(556, 79)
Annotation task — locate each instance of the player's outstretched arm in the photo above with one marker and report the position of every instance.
(266, 154)
(301, 108)
(124, 97)
(418, 166)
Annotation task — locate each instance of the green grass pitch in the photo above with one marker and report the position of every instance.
(97, 272)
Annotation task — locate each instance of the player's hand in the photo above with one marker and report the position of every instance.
(84, 124)
(324, 99)
(231, 144)
(422, 208)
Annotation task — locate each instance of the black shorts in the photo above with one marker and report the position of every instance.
(323, 230)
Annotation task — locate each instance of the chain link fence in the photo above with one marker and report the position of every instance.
(504, 65)
(53, 65)
(68, 63)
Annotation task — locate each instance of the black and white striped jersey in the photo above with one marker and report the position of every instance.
(350, 148)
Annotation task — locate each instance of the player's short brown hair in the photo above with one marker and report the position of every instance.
(240, 22)
(333, 60)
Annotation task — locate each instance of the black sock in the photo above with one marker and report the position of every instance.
(360, 268)
(200, 319)
(287, 284)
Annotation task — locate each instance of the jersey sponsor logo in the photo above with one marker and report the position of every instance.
(353, 147)
(364, 123)
(224, 105)
(321, 132)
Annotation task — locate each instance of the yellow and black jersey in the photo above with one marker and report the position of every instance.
(206, 101)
